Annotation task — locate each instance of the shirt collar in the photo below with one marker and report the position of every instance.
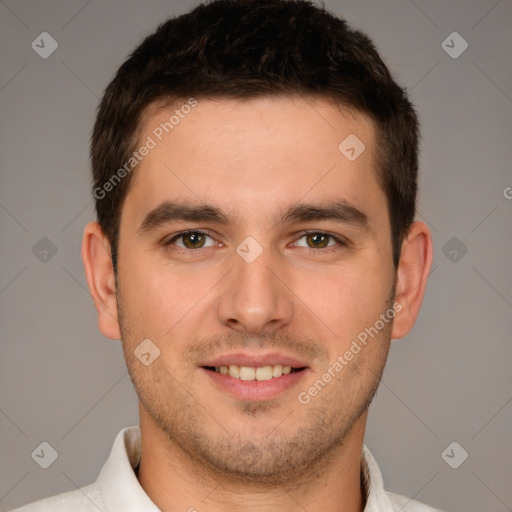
(122, 492)
(376, 498)
(117, 481)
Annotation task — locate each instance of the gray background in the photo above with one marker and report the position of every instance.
(449, 380)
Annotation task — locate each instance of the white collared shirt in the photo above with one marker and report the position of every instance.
(118, 490)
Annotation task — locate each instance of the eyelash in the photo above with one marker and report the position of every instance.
(342, 242)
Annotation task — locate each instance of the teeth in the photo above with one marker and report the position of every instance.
(249, 373)
(264, 373)
(234, 371)
(277, 370)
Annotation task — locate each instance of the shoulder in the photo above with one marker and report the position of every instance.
(404, 504)
(86, 499)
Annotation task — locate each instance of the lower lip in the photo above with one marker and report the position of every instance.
(255, 390)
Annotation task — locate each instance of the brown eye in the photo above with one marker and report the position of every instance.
(193, 240)
(318, 240)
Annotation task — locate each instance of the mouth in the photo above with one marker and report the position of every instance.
(254, 383)
(254, 376)
(260, 373)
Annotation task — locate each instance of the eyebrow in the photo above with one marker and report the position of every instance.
(175, 211)
(169, 211)
(338, 211)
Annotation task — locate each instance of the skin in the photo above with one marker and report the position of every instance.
(201, 447)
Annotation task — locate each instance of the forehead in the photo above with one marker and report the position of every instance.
(254, 156)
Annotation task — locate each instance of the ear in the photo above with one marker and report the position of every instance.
(99, 271)
(412, 275)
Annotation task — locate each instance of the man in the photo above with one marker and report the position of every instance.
(255, 170)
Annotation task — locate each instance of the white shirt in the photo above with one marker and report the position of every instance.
(118, 490)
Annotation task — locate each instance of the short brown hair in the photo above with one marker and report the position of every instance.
(250, 48)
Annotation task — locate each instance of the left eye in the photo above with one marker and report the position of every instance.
(191, 240)
(317, 240)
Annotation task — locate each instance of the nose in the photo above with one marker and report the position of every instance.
(256, 297)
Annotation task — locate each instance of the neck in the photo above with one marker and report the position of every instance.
(174, 481)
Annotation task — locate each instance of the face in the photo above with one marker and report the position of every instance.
(254, 254)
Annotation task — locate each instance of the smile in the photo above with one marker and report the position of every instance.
(260, 373)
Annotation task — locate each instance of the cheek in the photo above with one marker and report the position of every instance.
(158, 296)
(345, 299)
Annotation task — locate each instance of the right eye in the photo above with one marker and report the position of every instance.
(191, 240)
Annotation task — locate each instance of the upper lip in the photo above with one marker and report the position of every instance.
(255, 360)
